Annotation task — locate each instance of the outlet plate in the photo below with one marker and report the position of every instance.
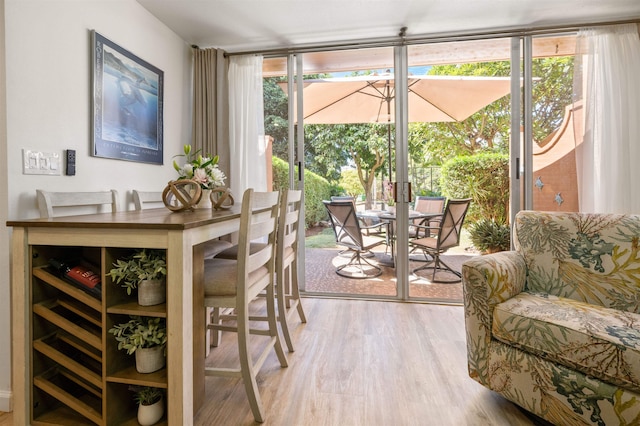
(41, 162)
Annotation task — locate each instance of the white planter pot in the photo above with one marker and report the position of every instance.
(205, 201)
(150, 414)
(149, 360)
(152, 292)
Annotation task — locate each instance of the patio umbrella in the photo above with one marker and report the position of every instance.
(370, 99)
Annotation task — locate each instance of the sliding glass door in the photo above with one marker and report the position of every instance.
(438, 120)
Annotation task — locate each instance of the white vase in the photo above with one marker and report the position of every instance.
(149, 360)
(152, 292)
(205, 200)
(150, 414)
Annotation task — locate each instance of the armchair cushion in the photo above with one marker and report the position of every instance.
(600, 342)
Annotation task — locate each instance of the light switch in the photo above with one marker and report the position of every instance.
(40, 162)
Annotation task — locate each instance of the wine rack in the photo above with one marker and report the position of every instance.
(78, 376)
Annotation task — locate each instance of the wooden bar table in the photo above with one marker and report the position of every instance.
(104, 237)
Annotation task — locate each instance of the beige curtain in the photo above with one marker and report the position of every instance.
(210, 99)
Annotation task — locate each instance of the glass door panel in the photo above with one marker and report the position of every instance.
(459, 109)
(347, 103)
(554, 184)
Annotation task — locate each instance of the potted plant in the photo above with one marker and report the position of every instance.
(489, 236)
(146, 337)
(145, 270)
(150, 404)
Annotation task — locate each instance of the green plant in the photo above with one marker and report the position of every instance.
(142, 265)
(140, 332)
(146, 395)
(482, 177)
(489, 236)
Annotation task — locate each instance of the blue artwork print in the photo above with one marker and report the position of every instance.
(127, 105)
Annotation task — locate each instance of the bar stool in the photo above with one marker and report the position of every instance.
(287, 289)
(235, 283)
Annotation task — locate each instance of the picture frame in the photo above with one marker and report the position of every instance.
(127, 104)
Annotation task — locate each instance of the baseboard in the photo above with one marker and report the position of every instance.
(6, 402)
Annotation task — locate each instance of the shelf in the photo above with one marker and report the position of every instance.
(130, 376)
(80, 369)
(63, 416)
(132, 308)
(57, 314)
(70, 289)
(85, 404)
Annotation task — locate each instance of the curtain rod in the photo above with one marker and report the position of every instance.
(425, 39)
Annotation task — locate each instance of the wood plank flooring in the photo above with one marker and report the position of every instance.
(358, 363)
(368, 363)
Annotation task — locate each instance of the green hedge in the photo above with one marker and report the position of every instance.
(482, 177)
(316, 189)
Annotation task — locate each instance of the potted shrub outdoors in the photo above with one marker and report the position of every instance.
(147, 338)
(489, 236)
(150, 404)
(145, 270)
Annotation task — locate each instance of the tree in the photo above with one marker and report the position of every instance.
(489, 128)
(365, 146)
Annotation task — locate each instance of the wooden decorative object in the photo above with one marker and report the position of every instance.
(221, 198)
(182, 194)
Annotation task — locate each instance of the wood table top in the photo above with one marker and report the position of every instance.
(160, 218)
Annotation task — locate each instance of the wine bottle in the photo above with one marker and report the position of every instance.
(79, 275)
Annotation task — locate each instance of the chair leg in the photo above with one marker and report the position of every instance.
(283, 282)
(287, 292)
(436, 262)
(357, 260)
(273, 326)
(246, 365)
(295, 290)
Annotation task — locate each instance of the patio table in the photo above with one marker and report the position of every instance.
(389, 218)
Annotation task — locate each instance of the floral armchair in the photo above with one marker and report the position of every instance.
(554, 326)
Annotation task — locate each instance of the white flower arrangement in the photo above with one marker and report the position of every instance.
(203, 170)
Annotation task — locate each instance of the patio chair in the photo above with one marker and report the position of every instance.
(425, 204)
(348, 233)
(370, 225)
(447, 236)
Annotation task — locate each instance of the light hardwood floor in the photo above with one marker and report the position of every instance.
(365, 363)
(362, 363)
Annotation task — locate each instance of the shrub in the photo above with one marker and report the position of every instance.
(316, 189)
(489, 236)
(485, 179)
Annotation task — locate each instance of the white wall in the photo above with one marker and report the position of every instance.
(48, 107)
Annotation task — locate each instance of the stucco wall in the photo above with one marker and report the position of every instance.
(48, 107)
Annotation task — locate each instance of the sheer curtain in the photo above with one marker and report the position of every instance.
(247, 148)
(606, 83)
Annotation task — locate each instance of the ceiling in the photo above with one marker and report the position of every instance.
(243, 25)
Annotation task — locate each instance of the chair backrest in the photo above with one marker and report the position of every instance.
(426, 204)
(346, 226)
(289, 223)
(48, 200)
(451, 225)
(258, 221)
(343, 198)
(147, 199)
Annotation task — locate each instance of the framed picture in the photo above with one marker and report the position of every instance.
(127, 104)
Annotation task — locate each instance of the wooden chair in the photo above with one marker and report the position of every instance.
(147, 199)
(74, 202)
(287, 290)
(447, 236)
(235, 283)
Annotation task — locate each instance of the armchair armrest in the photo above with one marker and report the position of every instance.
(487, 280)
